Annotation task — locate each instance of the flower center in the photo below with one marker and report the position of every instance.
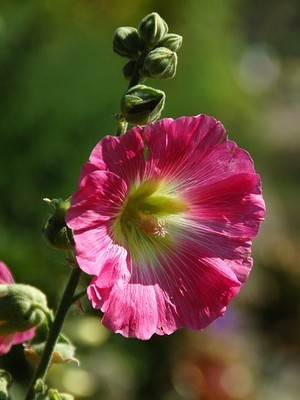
(144, 225)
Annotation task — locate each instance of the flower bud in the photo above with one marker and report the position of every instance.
(55, 231)
(160, 63)
(63, 353)
(152, 29)
(128, 69)
(142, 104)
(5, 381)
(127, 42)
(53, 394)
(21, 308)
(171, 41)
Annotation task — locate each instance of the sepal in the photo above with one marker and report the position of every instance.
(142, 104)
(42, 392)
(64, 350)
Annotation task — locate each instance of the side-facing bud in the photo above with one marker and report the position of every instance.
(171, 41)
(128, 69)
(152, 29)
(53, 394)
(126, 42)
(160, 63)
(5, 381)
(142, 104)
(55, 231)
(21, 307)
(64, 351)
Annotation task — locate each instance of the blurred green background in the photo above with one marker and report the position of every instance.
(60, 83)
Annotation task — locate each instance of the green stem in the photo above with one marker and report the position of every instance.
(79, 296)
(135, 80)
(63, 308)
(136, 76)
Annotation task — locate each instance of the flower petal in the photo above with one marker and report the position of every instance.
(177, 145)
(184, 291)
(98, 199)
(121, 155)
(149, 280)
(6, 342)
(5, 274)
(21, 337)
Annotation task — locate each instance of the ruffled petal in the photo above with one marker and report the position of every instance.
(5, 274)
(98, 200)
(185, 244)
(97, 254)
(21, 337)
(122, 155)
(6, 342)
(176, 147)
(182, 292)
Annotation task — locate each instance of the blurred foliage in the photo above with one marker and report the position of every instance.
(60, 83)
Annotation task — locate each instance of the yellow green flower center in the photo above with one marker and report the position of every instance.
(144, 224)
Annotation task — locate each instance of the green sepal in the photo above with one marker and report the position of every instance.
(63, 353)
(142, 104)
(42, 392)
(55, 231)
(53, 394)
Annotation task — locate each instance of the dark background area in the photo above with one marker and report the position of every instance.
(60, 83)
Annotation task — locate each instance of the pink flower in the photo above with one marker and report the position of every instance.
(7, 340)
(163, 219)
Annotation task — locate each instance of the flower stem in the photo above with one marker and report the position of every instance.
(63, 308)
(136, 76)
(79, 296)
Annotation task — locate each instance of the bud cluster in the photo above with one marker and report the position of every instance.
(152, 54)
(150, 48)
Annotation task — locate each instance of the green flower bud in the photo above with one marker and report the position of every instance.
(152, 29)
(127, 42)
(5, 381)
(53, 394)
(63, 353)
(171, 41)
(160, 63)
(142, 104)
(21, 308)
(128, 69)
(55, 231)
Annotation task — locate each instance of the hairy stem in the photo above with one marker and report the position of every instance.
(63, 308)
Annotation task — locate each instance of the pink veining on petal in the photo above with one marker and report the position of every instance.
(122, 155)
(190, 281)
(5, 274)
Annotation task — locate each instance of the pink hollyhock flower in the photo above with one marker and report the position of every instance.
(163, 219)
(7, 340)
